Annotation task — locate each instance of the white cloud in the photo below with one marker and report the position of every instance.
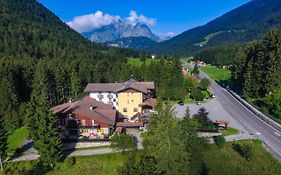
(92, 21)
(133, 19)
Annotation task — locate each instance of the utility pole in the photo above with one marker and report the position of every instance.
(1, 165)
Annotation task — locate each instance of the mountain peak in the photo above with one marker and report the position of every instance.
(120, 29)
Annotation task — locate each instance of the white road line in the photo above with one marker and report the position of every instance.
(253, 113)
(276, 133)
(273, 149)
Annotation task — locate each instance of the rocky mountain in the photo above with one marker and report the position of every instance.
(137, 43)
(118, 30)
(243, 24)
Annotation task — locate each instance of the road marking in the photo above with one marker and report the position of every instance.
(272, 148)
(258, 133)
(251, 112)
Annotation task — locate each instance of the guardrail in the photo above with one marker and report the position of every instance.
(254, 110)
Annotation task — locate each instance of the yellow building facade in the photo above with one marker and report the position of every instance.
(130, 103)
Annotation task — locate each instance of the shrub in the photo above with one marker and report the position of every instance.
(219, 140)
(122, 142)
(244, 150)
(70, 161)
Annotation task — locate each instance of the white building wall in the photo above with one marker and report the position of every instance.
(105, 99)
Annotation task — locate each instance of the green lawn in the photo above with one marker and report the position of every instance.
(226, 161)
(16, 139)
(218, 74)
(218, 161)
(99, 165)
(230, 131)
(138, 62)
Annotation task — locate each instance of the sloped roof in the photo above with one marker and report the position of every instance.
(100, 111)
(117, 87)
(130, 124)
(150, 102)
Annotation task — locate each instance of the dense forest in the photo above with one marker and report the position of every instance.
(257, 73)
(38, 51)
(219, 56)
(241, 25)
(44, 63)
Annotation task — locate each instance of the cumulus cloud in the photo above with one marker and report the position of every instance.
(92, 21)
(134, 18)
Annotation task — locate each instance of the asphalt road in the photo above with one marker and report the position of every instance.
(252, 123)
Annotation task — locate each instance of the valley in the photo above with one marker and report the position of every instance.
(127, 88)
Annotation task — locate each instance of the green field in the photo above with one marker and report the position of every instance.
(226, 161)
(138, 62)
(218, 161)
(88, 165)
(217, 74)
(230, 131)
(16, 139)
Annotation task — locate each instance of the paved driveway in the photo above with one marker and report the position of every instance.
(215, 109)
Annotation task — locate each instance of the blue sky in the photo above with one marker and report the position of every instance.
(162, 16)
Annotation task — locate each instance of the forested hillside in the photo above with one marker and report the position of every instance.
(244, 24)
(42, 59)
(257, 73)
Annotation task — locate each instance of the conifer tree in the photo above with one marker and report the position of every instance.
(47, 142)
(75, 85)
(8, 104)
(163, 141)
(193, 144)
(3, 145)
(42, 123)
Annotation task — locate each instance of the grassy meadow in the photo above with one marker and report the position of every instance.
(216, 73)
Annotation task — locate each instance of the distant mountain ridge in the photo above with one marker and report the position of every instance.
(118, 30)
(138, 43)
(243, 24)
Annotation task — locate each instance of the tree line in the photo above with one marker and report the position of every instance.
(256, 72)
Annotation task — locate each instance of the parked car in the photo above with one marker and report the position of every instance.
(198, 103)
(213, 96)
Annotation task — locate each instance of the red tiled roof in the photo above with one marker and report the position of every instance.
(100, 111)
(222, 122)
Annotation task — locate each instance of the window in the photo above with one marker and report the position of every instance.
(125, 110)
(83, 122)
(135, 109)
(100, 96)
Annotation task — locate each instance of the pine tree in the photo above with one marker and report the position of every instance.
(193, 144)
(48, 142)
(196, 70)
(163, 141)
(41, 122)
(75, 85)
(8, 104)
(3, 145)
